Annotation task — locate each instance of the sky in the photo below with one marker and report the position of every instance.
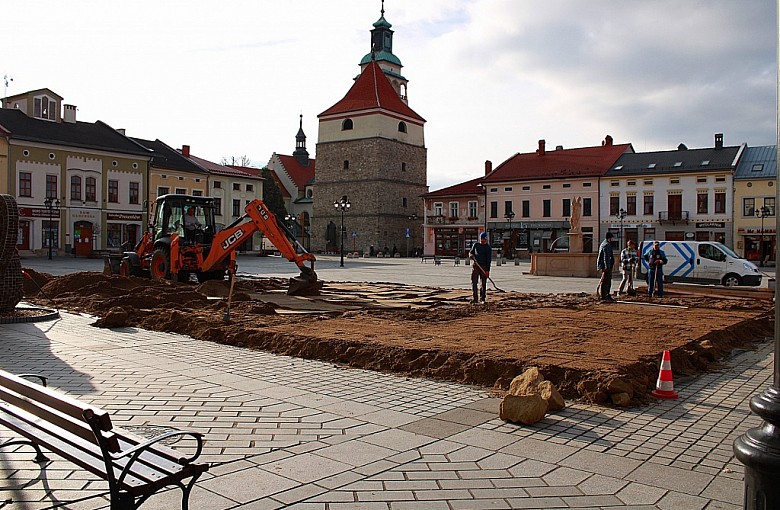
(491, 77)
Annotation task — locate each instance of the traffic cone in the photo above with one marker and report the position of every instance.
(664, 388)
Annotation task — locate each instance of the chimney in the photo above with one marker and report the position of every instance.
(488, 166)
(718, 140)
(607, 141)
(541, 148)
(70, 114)
(121, 131)
(559, 147)
(185, 151)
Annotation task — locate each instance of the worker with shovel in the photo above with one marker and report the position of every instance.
(481, 254)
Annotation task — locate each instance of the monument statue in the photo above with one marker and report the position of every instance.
(11, 288)
(576, 214)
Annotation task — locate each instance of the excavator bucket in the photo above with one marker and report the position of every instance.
(305, 284)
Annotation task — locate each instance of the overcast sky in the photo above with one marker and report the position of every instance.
(491, 77)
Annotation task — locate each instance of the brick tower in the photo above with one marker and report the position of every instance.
(371, 148)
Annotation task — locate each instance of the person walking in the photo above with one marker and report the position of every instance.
(604, 263)
(627, 263)
(656, 259)
(482, 255)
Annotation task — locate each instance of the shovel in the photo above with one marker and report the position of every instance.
(226, 318)
(488, 277)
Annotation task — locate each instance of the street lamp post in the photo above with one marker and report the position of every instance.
(342, 205)
(50, 206)
(509, 215)
(621, 215)
(762, 213)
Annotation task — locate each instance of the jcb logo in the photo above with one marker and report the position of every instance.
(232, 239)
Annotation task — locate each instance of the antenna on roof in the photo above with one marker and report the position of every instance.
(7, 79)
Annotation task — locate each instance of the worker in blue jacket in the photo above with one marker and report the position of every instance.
(482, 254)
(656, 260)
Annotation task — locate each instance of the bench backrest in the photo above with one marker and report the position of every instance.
(58, 409)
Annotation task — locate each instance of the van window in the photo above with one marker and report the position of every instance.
(708, 251)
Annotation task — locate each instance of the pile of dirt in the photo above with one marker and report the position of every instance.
(586, 348)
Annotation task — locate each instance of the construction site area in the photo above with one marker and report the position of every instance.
(589, 349)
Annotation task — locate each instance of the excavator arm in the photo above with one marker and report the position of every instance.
(226, 242)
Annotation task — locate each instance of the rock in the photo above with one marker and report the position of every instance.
(550, 394)
(620, 386)
(115, 318)
(620, 399)
(526, 383)
(591, 392)
(526, 409)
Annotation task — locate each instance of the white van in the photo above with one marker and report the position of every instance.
(701, 262)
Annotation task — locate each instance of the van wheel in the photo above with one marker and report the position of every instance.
(732, 280)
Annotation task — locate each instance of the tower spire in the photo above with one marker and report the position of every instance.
(301, 154)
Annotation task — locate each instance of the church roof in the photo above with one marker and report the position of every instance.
(372, 90)
(301, 175)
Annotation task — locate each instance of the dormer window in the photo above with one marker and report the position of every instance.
(44, 108)
(346, 125)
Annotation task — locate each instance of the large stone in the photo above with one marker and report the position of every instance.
(526, 383)
(551, 395)
(620, 386)
(525, 409)
(620, 399)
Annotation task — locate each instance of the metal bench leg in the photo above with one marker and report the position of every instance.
(186, 489)
(40, 458)
(123, 501)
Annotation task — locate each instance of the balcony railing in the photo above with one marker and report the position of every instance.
(673, 217)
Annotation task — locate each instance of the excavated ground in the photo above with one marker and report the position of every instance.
(580, 344)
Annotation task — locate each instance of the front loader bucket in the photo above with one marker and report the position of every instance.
(111, 264)
(305, 284)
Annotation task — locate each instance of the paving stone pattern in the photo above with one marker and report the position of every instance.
(284, 432)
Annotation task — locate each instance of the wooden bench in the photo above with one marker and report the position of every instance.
(134, 467)
(438, 258)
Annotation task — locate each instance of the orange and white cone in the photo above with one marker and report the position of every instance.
(664, 388)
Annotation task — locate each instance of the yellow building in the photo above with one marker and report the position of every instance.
(755, 190)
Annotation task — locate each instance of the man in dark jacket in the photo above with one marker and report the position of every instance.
(482, 255)
(656, 259)
(605, 263)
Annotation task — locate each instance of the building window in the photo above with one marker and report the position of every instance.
(566, 207)
(648, 182)
(587, 206)
(51, 186)
(346, 164)
(217, 184)
(402, 127)
(587, 184)
(508, 189)
(25, 184)
(113, 192)
(631, 183)
(473, 210)
(181, 191)
(494, 209)
(769, 203)
(438, 209)
(346, 125)
(720, 202)
(403, 167)
(250, 188)
(163, 190)
(631, 205)
(403, 202)
(236, 207)
(218, 206)
(197, 193)
(567, 185)
(702, 199)
(546, 186)
(674, 180)
(75, 187)
(526, 208)
(526, 188)
(720, 178)
(90, 189)
(702, 179)
(546, 208)
(748, 207)
(614, 205)
(236, 186)
(44, 108)
(454, 209)
(614, 184)
(135, 194)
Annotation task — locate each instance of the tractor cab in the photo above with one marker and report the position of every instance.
(191, 218)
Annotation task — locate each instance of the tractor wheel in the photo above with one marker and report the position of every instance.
(126, 268)
(160, 267)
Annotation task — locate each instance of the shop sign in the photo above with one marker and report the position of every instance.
(711, 224)
(112, 216)
(33, 212)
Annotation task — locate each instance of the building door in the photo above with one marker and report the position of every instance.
(82, 237)
(23, 242)
(675, 207)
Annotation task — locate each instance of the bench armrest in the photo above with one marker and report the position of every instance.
(41, 378)
(138, 449)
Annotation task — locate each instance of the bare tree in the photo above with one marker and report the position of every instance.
(236, 161)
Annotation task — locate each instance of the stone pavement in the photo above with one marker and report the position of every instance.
(290, 433)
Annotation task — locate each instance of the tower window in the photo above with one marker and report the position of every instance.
(403, 167)
(402, 127)
(346, 164)
(346, 125)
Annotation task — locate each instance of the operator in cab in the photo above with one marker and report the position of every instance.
(191, 224)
